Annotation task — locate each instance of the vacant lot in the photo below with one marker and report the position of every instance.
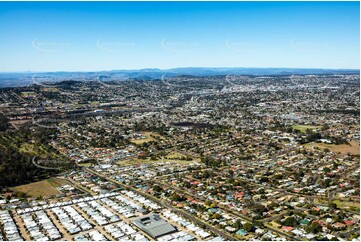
(344, 204)
(275, 226)
(27, 94)
(303, 128)
(36, 150)
(85, 164)
(58, 182)
(352, 148)
(50, 89)
(42, 188)
(33, 149)
(147, 139)
(17, 123)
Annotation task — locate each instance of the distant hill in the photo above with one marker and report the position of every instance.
(29, 78)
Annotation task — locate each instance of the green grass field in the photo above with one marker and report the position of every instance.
(344, 204)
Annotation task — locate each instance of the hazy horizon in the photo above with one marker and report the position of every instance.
(188, 67)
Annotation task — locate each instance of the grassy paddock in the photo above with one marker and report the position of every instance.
(147, 139)
(42, 188)
(36, 189)
(344, 204)
(352, 148)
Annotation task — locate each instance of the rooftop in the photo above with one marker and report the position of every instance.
(154, 225)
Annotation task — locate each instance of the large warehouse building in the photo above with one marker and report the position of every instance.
(154, 225)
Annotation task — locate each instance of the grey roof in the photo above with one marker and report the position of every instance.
(219, 238)
(187, 237)
(154, 225)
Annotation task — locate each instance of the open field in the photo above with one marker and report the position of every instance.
(27, 148)
(41, 188)
(344, 204)
(275, 226)
(19, 122)
(352, 148)
(174, 155)
(57, 182)
(245, 238)
(303, 128)
(147, 139)
(85, 164)
(38, 151)
(27, 94)
(51, 89)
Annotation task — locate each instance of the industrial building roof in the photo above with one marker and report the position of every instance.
(154, 225)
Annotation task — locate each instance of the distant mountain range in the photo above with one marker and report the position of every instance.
(13, 79)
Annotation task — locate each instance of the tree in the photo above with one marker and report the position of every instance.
(314, 228)
(248, 227)
(4, 122)
(258, 208)
(332, 205)
(157, 188)
(213, 205)
(290, 221)
(263, 179)
(237, 224)
(176, 197)
(272, 205)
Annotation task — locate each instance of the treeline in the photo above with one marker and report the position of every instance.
(17, 149)
(16, 168)
(211, 162)
(4, 122)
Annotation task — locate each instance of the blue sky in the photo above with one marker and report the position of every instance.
(94, 36)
